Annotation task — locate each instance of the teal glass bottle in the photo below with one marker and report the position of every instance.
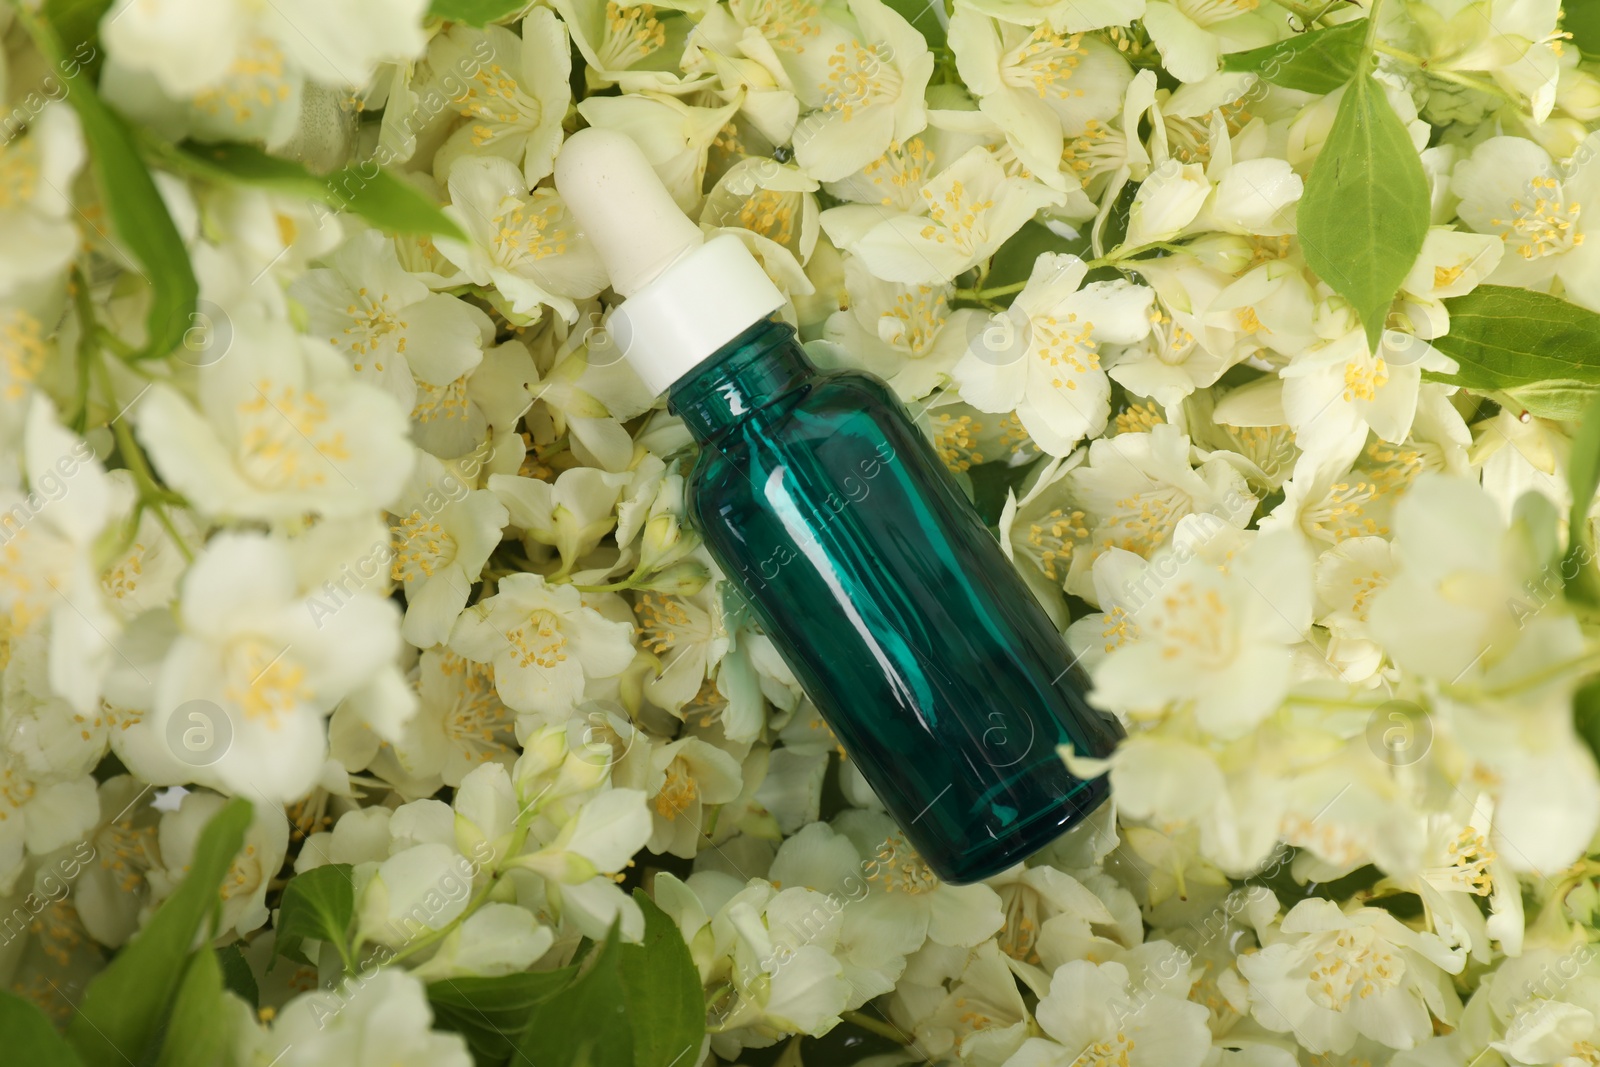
(891, 601)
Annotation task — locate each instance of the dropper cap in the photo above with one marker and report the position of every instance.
(685, 297)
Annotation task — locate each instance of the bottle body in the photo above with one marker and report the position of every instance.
(938, 671)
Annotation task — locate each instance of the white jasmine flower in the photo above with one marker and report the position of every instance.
(1042, 358)
(687, 775)
(572, 514)
(376, 1019)
(525, 244)
(687, 637)
(905, 334)
(497, 939)
(1518, 44)
(867, 94)
(1176, 629)
(282, 427)
(777, 202)
(1192, 35)
(244, 888)
(385, 321)
(443, 534)
(967, 211)
(48, 540)
(114, 886)
(1039, 86)
(460, 722)
(1167, 202)
(514, 100)
(37, 230)
(1335, 976)
(1136, 487)
(1455, 599)
(544, 642)
(637, 46)
(1098, 1010)
(1332, 390)
(190, 46)
(47, 751)
(1451, 263)
(262, 647)
(1509, 187)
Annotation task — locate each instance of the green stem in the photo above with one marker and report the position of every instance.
(629, 582)
(1372, 34)
(1303, 11)
(1583, 664)
(150, 491)
(1454, 77)
(990, 294)
(868, 1023)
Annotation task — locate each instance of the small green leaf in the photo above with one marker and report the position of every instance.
(1563, 401)
(1581, 18)
(139, 219)
(1505, 338)
(1365, 210)
(28, 1037)
(1319, 61)
(493, 1013)
(198, 1031)
(475, 12)
(120, 1017)
(586, 1024)
(666, 1004)
(318, 904)
(1583, 475)
(382, 198)
(237, 976)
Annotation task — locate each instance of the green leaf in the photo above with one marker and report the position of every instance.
(666, 1004)
(1583, 476)
(1509, 338)
(237, 976)
(586, 1024)
(1365, 210)
(198, 1031)
(29, 1038)
(924, 18)
(475, 12)
(1316, 62)
(123, 1009)
(383, 199)
(318, 904)
(1581, 18)
(77, 24)
(493, 1013)
(143, 229)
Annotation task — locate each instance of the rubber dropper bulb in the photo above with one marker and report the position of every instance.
(623, 208)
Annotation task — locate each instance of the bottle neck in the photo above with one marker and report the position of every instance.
(755, 368)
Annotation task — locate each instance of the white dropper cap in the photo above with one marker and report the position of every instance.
(685, 297)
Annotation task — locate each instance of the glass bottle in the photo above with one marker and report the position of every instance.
(885, 593)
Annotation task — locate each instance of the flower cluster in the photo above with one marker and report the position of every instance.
(1266, 333)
